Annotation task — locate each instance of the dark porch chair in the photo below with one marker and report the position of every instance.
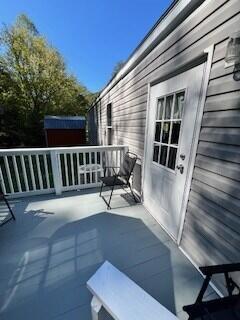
(226, 308)
(120, 177)
(3, 197)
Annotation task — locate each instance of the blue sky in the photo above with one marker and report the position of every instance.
(92, 35)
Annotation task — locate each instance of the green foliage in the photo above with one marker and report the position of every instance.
(117, 68)
(34, 82)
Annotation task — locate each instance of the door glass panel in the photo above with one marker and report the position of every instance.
(175, 132)
(172, 158)
(155, 153)
(168, 107)
(163, 155)
(160, 109)
(158, 131)
(178, 107)
(166, 131)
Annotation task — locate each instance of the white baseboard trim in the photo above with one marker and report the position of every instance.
(194, 264)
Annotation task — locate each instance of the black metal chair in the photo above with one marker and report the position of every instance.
(3, 197)
(119, 178)
(226, 308)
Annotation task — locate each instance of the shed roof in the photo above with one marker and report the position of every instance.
(57, 122)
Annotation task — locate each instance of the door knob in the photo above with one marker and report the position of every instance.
(180, 168)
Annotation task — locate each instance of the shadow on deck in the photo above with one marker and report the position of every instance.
(57, 243)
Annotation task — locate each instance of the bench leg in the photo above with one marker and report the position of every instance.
(95, 307)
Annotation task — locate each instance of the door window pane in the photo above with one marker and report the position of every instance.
(163, 155)
(158, 131)
(178, 107)
(172, 158)
(165, 133)
(160, 109)
(168, 107)
(175, 132)
(167, 129)
(155, 153)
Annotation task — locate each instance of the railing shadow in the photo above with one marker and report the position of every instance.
(48, 276)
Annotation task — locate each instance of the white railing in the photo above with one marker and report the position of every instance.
(45, 170)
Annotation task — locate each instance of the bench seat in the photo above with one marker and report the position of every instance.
(123, 298)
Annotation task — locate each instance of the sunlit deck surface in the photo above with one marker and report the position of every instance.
(57, 243)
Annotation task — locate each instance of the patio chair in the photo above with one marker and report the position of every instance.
(226, 308)
(120, 177)
(3, 197)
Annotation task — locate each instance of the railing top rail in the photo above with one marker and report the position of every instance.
(61, 149)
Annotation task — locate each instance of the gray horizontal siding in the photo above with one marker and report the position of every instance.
(211, 231)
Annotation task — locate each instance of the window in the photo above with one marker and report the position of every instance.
(109, 124)
(167, 129)
(109, 115)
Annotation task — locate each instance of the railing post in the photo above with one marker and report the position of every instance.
(56, 172)
(125, 150)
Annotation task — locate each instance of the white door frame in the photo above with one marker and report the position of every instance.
(206, 74)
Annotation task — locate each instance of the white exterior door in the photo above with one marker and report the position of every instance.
(173, 107)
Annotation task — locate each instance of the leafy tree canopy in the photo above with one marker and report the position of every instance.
(34, 82)
(117, 67)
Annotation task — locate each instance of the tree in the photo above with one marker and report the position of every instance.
(34, 82)
(117, 67)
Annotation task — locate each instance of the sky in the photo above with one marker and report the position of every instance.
(92, 35)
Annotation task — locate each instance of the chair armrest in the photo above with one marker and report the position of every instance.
(210, 270)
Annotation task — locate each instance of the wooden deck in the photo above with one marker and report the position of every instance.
(57, 243)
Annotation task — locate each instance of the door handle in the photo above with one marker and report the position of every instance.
(180, 168)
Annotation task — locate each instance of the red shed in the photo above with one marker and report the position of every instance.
(65, 131)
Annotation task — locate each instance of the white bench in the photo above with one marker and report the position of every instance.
(122, 298)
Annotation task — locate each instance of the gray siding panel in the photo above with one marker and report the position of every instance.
(211, 232)
(224, 101)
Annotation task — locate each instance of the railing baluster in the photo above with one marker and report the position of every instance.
(39, 172)
(90, 166)
(8, 174)
(72, 168)
(2, 181)
(101, 162)
(17, 174)
(24, 172)
(66, 168)
(78, 168)
(84, 164)
(46, 170)
(32, 172)
(95, 166)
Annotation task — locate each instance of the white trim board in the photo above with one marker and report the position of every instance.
(194, 264)
(197, 129)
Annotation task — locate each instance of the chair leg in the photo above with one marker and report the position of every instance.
(133, 195)
(101, 190)
(110, 197)
(9, 208)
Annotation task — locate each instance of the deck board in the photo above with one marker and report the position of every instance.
(58, 242)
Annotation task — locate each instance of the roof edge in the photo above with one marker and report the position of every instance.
(170, 19)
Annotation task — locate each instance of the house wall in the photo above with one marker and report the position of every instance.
(212, 229)
(211, 232)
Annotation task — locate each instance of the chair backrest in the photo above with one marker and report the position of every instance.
(1, 190)
(127, 165)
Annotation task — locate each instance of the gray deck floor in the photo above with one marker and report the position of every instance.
(57, 243)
